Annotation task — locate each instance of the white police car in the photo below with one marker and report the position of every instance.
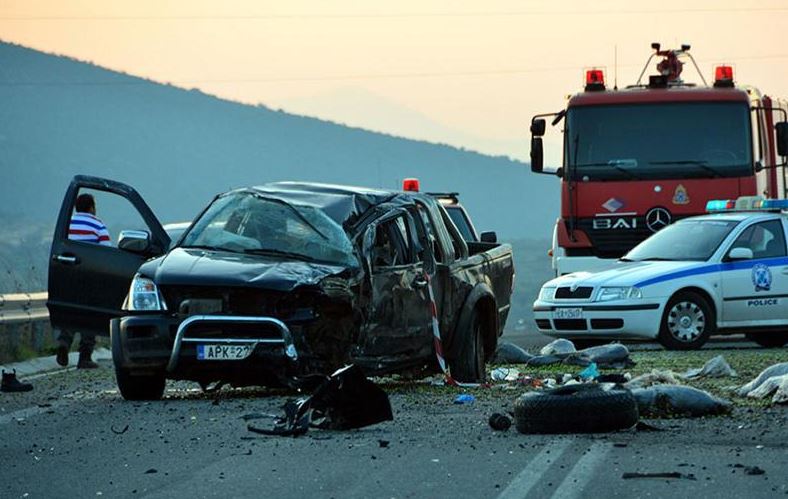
(725, 272)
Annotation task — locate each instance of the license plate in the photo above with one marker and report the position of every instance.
(223, 352)
(568, 313)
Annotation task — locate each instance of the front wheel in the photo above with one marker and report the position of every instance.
(687, 323)
(135, 387)
(468, 367)
(769, 340)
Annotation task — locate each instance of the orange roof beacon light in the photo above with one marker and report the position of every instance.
(410, 185)
(595, 80)
(723, 76)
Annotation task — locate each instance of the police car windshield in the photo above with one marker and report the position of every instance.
(693, 240)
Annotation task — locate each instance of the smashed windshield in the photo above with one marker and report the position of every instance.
(683, 240)
(659, 141)
(247, 223)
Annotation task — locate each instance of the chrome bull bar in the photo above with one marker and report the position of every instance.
(180, 335)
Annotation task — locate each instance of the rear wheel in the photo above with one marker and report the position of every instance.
(687, 323)
(469, 365)
(145, 387)
(769, 340)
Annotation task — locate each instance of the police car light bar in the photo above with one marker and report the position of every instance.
(746, 203)
(720, 205)
(774, 204)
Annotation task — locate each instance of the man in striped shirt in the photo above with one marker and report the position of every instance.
(86, 227)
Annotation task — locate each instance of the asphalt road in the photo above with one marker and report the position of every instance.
(73, 436)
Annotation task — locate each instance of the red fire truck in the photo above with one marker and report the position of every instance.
(638, 158)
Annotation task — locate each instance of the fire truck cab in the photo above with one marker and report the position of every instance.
(639, 158)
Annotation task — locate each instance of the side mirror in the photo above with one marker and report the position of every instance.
(538, 127)
(740, 254)
(537, 155)
(134, 241)
(782, 138)
(488, 237)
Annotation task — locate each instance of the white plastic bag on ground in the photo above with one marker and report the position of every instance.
(655, 377)
(769, 372)
(717, 367)
(560, 346)
(777, 385)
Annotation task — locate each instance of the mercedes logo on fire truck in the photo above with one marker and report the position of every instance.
(657, 218)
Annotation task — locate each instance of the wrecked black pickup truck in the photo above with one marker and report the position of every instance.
(276, 282)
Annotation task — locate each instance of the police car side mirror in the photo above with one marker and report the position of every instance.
(740, 254)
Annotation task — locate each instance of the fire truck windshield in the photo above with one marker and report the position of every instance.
(658, 141)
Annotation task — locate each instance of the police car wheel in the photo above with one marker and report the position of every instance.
(687, 322)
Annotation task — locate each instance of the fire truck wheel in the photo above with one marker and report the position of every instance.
(581, 408)
(687, 322)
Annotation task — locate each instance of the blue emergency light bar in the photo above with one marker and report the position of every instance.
(746, 203)
(774, 204)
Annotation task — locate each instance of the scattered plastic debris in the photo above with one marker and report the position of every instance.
(666, 400)
(464, 398)
(500, 422)
(612, 355)
(589, 373)
(655, 377)
(345, 400)
(558, 347)
(777, 385)
(504, 374)
(769, 372)
(509, 353)
(717, 367)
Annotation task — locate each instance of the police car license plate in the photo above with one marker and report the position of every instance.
(223, 352)
(568, 313)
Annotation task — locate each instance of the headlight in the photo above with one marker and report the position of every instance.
(547, 294)
(144, 295)
(619, 293)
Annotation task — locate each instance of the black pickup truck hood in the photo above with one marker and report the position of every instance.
(197, 267)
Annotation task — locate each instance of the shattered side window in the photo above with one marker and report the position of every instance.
(392, 247)
(430, 233)
(247, 223)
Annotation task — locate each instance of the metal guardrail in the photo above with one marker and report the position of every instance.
(16, 308)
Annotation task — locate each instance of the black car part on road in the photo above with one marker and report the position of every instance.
(581, 408)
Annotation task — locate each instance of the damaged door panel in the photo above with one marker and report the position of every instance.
(284, 280)
(399, 317)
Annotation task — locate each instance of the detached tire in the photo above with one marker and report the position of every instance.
(585, 408)
(468, 367)
(769, 340)
(147, 387)
(687, 322)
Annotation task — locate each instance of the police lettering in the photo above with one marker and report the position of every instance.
(763, 302)
(614, 223)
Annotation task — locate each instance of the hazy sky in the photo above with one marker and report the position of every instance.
(468, 73)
